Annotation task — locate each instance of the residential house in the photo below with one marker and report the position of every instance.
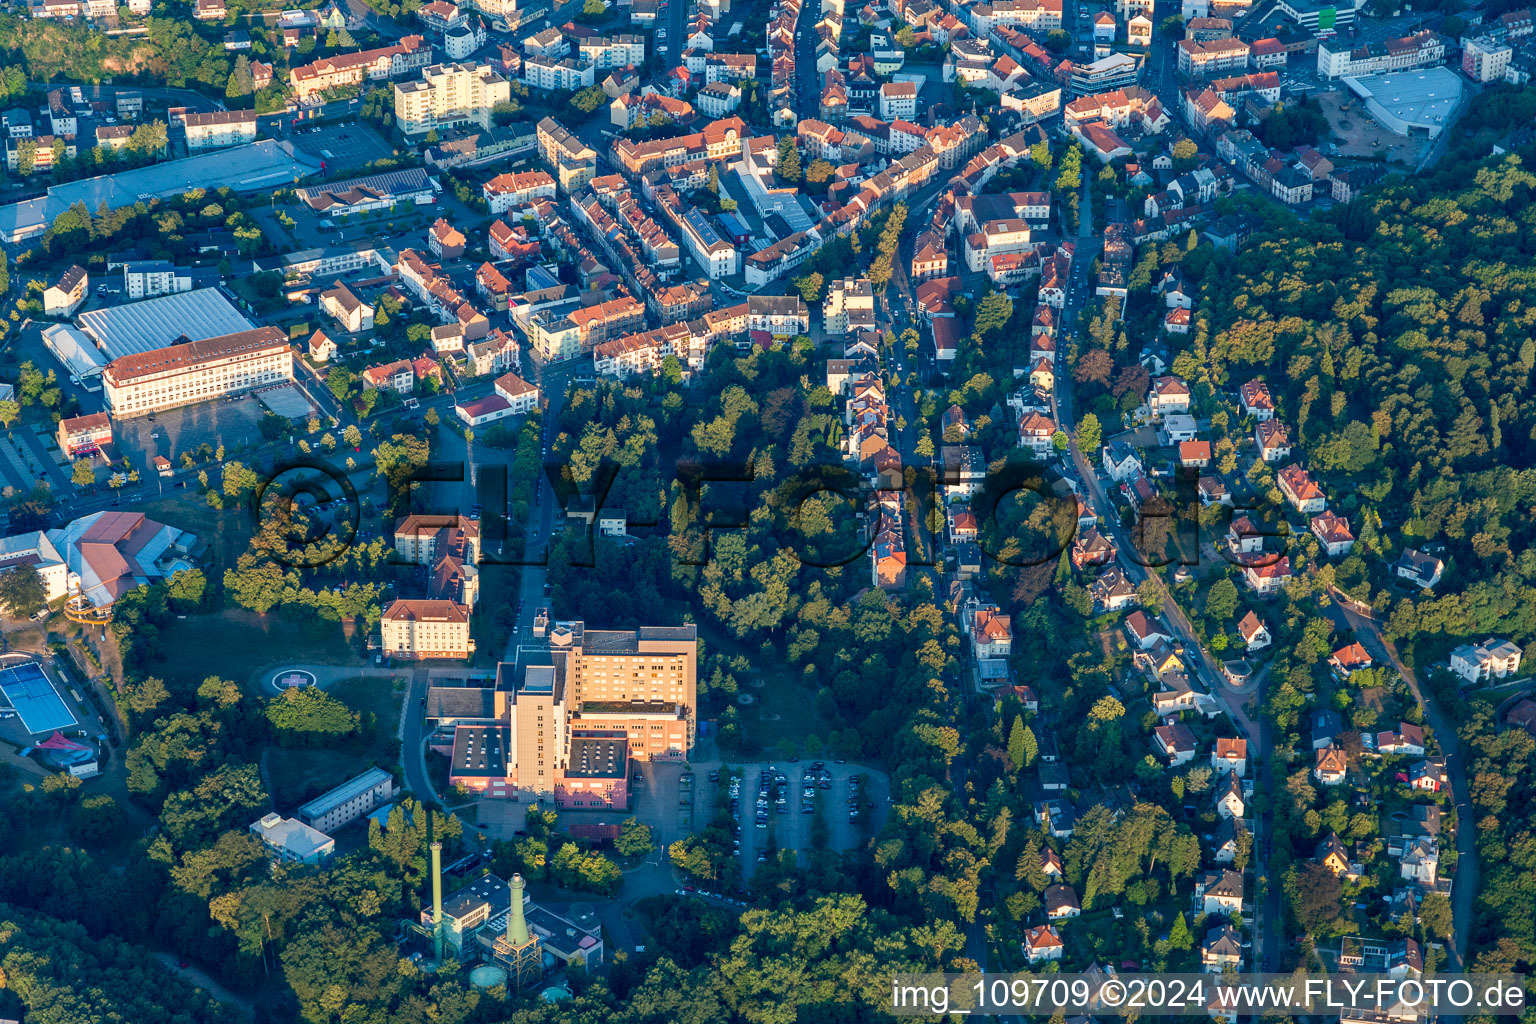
(1301, 490)
(1256, 401)
(1270, 578)
(1229, 797)
(64, 296)
(1429, 775)
(1061, 902)
(1407, 739)
(350, 313)
(1043, 942)
(1491, 659)
(1273, 441)
(1168, 395)
(1222, 948)
(1219, 891)
(1330, 766)
(1421, 862)
(1230, 755)
(1421, 569)
(1348, 660)
(1175, 742)
(1254, 633)
(1332, 532)
(1145, 632)
(1331, 854)
(1121, 462)
(1327, 726)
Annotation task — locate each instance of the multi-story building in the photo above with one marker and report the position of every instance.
(1117, 71)
(290, 841)
(642, 684)
(218, 129)
(1484, 60)
(1214, 57)
(898, 100)
(349, 311)
(349, 801)
(142, 280)
(449, 95)
(197, 371)
(508, 190)
(83, 435)
(574, 162)
(849, 306)
(559, 73)
(718, 140)
(63, 297)
(606, 52)
(1422, 49)
(415, 629)
(348, 69)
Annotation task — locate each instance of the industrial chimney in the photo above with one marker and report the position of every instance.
(517, 925)
(437, 901)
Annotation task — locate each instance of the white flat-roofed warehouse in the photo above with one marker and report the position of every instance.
(74, 350)
(155, 323)
(1417, 103)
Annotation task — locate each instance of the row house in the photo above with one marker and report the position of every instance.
(411, 53)
(1214, 57)
(1337, 59)
(1133, 107)
(508, 190)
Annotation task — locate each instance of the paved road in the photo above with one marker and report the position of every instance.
(1464, 887)
(1231, 699)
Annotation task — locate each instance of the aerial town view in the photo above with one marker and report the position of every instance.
(706, 511)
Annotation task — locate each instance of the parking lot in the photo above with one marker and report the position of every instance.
(343, 147)
(675, 803)
(174, 431)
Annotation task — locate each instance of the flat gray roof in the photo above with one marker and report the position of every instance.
(326, 802)
(200, 314)
(260, 166)
(1423, 98)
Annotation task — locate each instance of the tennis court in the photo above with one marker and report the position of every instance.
(34, 698)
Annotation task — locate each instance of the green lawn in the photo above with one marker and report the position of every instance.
(225, 532)
(302, 773)
(234, 643)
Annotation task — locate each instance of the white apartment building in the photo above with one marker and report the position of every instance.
(607, 52)
(505, 191)
(898, 101)
(449, 95)
(716, 255)
(1484, 60)
(849, 306)
(1491, 659)
(566, 73)
(196, 371)
(290, 841)
(349, 801)
(219, 129)
(142, 280)
(521, 396)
